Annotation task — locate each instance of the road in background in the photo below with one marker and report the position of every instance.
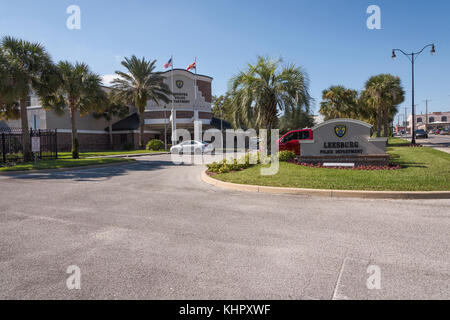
(439, 142)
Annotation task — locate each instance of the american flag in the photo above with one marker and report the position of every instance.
(168, 64)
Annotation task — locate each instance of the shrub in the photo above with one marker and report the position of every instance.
(286, 155)
(250, 159)
(214, 167)
(226, 166)
(155, 145)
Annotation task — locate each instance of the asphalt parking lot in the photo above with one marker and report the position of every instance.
(154, 230)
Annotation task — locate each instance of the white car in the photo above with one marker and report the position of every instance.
(192, 147)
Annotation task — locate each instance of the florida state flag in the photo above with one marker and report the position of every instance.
(192, 66)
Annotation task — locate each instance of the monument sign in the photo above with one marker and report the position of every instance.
(344, 141)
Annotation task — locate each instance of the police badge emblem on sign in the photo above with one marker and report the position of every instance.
(340, 130)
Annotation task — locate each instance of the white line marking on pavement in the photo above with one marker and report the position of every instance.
(334, 297)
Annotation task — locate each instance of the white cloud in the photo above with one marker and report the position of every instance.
(108, 78)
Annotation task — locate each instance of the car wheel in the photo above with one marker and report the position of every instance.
(198, 151)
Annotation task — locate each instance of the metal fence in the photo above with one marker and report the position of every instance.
(11, 144)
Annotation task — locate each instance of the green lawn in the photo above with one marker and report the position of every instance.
(395, 141)
(105, 153)
(62, 163)
(424, 169)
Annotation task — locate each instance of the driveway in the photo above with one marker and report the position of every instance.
(154, 230)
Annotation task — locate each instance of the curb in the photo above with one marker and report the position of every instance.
(410, 195)
(94, 166)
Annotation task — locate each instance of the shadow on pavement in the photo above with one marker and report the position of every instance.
(94, 174)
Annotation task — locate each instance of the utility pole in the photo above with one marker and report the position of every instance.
(413, 120)
(406, 120)
(165, 129)
(426, 114)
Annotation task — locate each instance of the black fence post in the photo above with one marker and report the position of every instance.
(56, 143)
(4, 147)
(40, 142)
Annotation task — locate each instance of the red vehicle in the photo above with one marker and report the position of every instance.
(290, 141)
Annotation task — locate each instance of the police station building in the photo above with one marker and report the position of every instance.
(192, 99)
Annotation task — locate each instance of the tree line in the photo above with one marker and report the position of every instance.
(377, 104)
(268, 94)
(271, 94)
(26, 67)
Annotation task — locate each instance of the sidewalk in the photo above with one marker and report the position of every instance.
(133, 155)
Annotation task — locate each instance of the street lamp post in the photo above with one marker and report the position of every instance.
(412, 57)
(221, 119)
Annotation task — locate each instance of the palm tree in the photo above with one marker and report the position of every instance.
(27, 66)
(3, 71)
(5, 107)
(339, 102)
(139, 85)
(108, 110)
(261, 91)
(80, 90)
(222, 109)
(383, 93)
(396, 96)
(296, 118)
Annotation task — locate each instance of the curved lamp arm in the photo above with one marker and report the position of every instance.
(412, 56)
(428, 45)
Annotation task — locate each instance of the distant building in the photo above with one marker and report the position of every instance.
(431, 121)
(191, 102)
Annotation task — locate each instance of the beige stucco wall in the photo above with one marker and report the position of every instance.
(186, 98)
(85, 122)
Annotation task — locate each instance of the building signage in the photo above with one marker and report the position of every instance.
(344, 139)
(349, 147)
(179, 83)
(181, 97)
(340, 130)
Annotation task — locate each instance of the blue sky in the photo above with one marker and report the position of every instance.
(328, 38)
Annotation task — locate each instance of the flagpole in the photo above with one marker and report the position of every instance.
(195, 85)
(174, 124)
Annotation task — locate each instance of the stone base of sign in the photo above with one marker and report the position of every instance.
(367, 160)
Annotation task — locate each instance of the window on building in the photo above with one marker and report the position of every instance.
(444, 119)
(29, 101)
(34, 122)
(419, 120)
(431, 119)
